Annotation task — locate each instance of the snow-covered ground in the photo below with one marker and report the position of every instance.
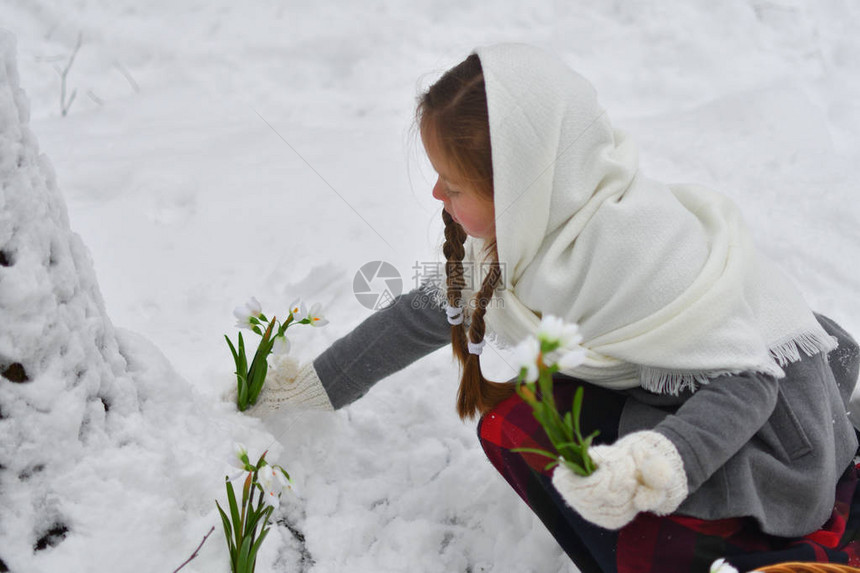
(217, 150)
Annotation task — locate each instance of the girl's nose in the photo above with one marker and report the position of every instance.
(437, 191)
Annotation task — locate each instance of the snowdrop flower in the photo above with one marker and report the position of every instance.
(247, 314)
(281, 346)
(526, 355)
(266, 478)
(555, 334)
(559, 334)
(315, 315)
(239, 457)
(239, 460)
(720, 566)
(298, 309)
(572, 359)
(273, 482)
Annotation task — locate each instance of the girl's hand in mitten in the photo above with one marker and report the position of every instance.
(640, 472)
(288, 385)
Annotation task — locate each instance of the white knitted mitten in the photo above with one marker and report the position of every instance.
(287, 385)
(640, 472)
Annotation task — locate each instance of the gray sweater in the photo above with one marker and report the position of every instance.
(751, 445)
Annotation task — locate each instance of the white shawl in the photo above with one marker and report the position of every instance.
(663, 280)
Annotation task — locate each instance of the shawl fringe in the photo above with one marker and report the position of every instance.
(661, 381)
(811, 343)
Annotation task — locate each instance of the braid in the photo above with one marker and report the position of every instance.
(454, 251)
(476, 393)
(478, 328)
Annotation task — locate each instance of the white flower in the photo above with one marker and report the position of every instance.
(526, 355)
(281, 346)
(298, 309)
(558, 336)
(239, 457)
(267, 478)
(247, 311)
(315, 316)
(281, 476)
(271, 498)
(720, 566)
(273, 481)
(572, 359)
(555, 331)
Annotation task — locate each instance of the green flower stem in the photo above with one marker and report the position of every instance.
(246, 529)
(251, 378)
(564, 433)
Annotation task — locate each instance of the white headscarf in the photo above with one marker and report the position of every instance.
(663, 280)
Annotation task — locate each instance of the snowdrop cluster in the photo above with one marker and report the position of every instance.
(553, 336)
(249, 316)
(247, 524)
(535, 387)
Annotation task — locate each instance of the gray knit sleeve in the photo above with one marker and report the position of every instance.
(390, 339)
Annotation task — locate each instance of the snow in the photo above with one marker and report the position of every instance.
(216, 151)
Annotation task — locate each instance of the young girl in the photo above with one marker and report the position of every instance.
(719, 396)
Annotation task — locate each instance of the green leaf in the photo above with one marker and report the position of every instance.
(576, 468)
(257, 545)
(259, 517)
(570, 444)
(283, 471)
(259, 365)
(551, 465)
(246, 488)
(577, 409)
(228, 531)
(243, 359)
(243, 564)
(536, 451)
(259, 370)
(234, 513)
(251, 523)
(262, 461)
(586, 443)
(232, 349)
(242, 397)
(568, 422)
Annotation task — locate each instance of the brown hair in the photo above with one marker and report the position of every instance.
(453, 114)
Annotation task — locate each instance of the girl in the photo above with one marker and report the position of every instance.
(719, 396)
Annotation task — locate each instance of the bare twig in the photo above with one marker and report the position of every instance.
(193, 555)
(128, 77)
(95, 98)
(65, 105)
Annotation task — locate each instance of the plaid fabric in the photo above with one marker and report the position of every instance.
(650, 544)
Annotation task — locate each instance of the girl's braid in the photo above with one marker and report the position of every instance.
(476, 393)
(488, 286)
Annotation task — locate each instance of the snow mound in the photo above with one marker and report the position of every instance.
(96, 436)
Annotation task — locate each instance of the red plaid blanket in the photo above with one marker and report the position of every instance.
(652, 544)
